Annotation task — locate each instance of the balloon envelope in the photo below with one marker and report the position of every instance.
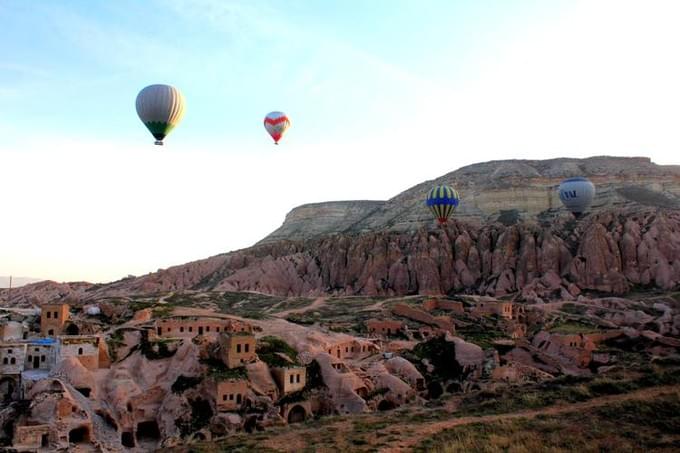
(577, 194)
(442, 201)
(276, 123)
(161, 108)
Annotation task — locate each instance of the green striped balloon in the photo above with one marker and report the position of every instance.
(161, 108)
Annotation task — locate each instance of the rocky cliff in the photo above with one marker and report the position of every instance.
(506, 190)
(611, 252)
(317, 219)
(509, 237)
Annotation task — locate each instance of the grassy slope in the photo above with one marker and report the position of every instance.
(629, 426)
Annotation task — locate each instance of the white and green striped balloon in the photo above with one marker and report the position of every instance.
(161, 108)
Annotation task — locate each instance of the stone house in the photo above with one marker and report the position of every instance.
(575, 349)
(230, 394)
(88, 349)
(384, 327)
(53, 318)
(31, 437)
(12, 358)
(352, 349)
(237, 349)
(12, 331)
(189, 327)
(12, 361)
(448, 305)
(290, 379)
(55, 420)
(493, 307)
(40, 354)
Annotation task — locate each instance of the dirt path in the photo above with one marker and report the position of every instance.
(379, 305)
(318, 302)
(412, 434)
(430, 429)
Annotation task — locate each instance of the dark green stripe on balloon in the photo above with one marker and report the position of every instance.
(159, 129)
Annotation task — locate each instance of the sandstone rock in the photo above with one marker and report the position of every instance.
(261, 380)
(468, 355)
(173, 408)
(342, 386)
(142, 315)
(225, 423)
(73, 372)
(405, 370)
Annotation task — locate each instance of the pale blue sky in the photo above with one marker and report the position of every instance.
(382, 95)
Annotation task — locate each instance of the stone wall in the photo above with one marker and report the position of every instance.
(237, 350)
(53, 317)
(290, 379)
(230, 395)
(384, 327)
(191, 327)
(33, 436)
(85, 348)
(419, 315)
(12, 358)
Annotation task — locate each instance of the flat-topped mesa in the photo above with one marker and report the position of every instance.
(510, 235)
(317, 219)
(505, 190)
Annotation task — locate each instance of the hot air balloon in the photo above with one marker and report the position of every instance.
(161, 108)
(276, 123)
(577, 194)
(442, 201)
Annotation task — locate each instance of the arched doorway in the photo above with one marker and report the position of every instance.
(297, 414)
(386, 405)
(127, 439)
(84, 390)
(72, 329)
(79, 435)
(148, 431)
(7, 387)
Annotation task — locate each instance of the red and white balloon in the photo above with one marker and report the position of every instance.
(276, 123)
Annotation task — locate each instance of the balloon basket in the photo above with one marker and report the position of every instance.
(158, 142)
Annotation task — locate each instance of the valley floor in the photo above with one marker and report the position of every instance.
(647, 419)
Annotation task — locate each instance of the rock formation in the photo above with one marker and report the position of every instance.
(630, 238)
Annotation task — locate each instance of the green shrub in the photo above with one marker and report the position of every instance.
(269, 348)
(219, 371)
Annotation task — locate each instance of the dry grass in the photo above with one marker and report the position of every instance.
(630, 426)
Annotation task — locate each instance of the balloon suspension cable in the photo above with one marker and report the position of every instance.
(158, 142)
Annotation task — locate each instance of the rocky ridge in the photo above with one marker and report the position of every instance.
(611, 252)
(630, 239)
(507, 190)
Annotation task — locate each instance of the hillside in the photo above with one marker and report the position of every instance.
(508, 189)
(17, 281)
(510, 236)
